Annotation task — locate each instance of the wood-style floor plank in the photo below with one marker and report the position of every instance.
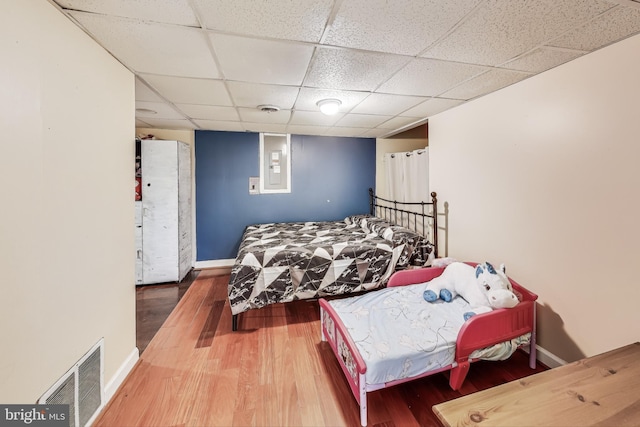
(273, 371)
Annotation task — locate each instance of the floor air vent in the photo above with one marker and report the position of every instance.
(81, 387)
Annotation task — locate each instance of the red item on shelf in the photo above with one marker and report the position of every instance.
(138, 188)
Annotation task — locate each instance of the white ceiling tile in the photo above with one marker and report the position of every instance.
(361, 120)
(209, 112)
(156, 110)
(170, 12)
(398, 122)
(431, 107)
(607, 28)
(500, 30)
(293, 19)
(306, 130)
(257, 116)
(314, 117)
(405, 27)
(143, 93)
(141, 124)
(429, 77)
(220, 125)
(351, 70)
(542, 59)
(181, 90)
(152, 48)
(251, 95)
(170, 124)
(485, 83)
(345, 131)
(262, 61)
(375, 133)
(265, 127)
(383, 104)
(309, 97)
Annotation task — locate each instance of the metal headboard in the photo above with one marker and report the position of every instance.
(414, 215)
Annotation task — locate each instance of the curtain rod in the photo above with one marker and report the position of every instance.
(408, 153)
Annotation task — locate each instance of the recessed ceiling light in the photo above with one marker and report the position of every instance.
(329, 106)
(268, 108)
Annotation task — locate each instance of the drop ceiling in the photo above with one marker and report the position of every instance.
(209, 64)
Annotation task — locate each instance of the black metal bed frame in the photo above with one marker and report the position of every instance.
(399, 213)
(407, 214)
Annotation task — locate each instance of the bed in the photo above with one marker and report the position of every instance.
(392, 335)
(284, 262)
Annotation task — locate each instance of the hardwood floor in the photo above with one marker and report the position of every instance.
(154, 304)
(274, 371)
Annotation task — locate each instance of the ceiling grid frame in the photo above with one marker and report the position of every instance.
(140, 35)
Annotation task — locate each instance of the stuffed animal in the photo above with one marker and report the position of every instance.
(484, 287)
(442, 262)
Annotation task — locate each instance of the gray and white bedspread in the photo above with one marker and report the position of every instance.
(283, 262)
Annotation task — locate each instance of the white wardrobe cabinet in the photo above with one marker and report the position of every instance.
(164, 252)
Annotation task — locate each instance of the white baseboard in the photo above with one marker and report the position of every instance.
(117, 380)
(547, 358)
(216, 263)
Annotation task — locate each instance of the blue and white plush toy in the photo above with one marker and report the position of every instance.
(484, 287)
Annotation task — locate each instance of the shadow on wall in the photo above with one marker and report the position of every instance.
(550, 326)
(554, 337)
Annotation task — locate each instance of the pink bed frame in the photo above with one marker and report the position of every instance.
(482, 330)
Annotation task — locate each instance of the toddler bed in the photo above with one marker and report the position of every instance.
(392, 336)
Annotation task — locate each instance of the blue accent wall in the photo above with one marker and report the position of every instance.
(330, 180)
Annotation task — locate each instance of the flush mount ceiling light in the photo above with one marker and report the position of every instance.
(329, 106)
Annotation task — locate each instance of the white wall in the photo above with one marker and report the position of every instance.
(544, 176)
(67, 171)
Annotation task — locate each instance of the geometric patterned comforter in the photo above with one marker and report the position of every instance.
(284, 262)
